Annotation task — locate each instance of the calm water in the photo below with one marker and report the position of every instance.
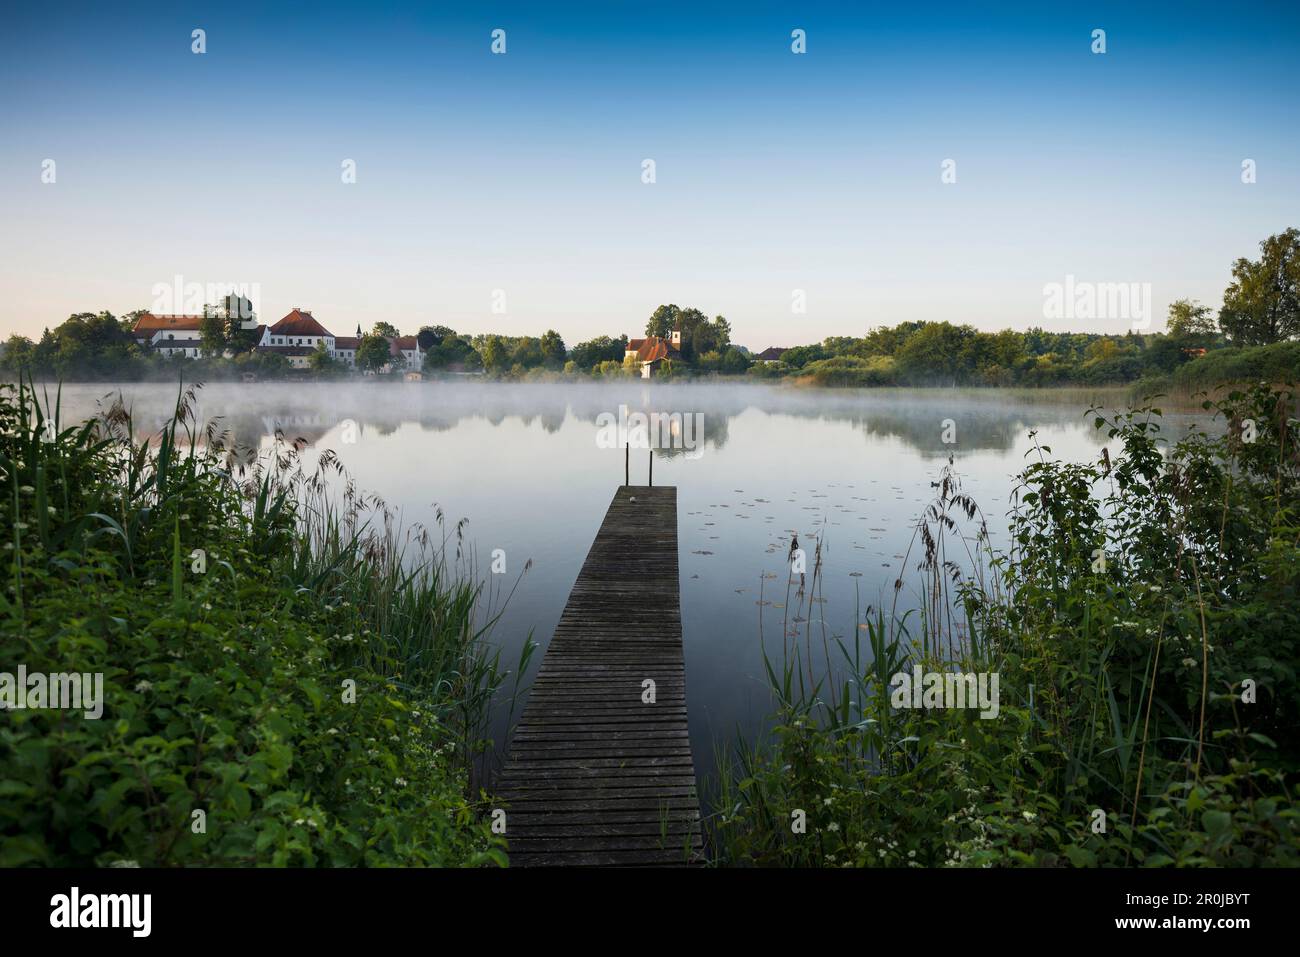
(522, 464)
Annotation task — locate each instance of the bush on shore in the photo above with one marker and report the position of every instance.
(1145, 627)
(279, 686)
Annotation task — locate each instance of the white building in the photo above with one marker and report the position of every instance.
(298, 328)
(171, 334)
(295, 337)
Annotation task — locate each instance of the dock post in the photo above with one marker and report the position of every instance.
(652, 468)
(627, 464)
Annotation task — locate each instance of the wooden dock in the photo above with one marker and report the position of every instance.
(596, 774)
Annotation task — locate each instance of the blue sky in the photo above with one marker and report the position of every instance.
(775, 172)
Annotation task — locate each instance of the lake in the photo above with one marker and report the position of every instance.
(530, 470)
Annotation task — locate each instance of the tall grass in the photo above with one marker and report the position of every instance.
(285, 580)
(1137, 598)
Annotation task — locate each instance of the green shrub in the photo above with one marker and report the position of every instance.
(852, 371)
(1279, 362)
(1145, 625)
(232, 621)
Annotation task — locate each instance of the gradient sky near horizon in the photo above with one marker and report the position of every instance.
(775, 171)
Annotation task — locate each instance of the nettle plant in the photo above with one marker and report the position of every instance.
(280, 686)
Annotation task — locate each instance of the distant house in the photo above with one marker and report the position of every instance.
(650, 353)
(414, 376)
(296, 337)
(405, 351)
(1194, 353)
(183, 335)
(345, 349)
(298, 328)
(771, 354)
(172, 335)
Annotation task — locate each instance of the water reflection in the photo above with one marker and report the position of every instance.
(251, 415)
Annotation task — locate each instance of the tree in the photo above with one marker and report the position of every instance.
(46, 348)
(322, 363)
(430, 336)
(734, 361)
(87, 345)
(586, 355)
(453, 352)
(270, 365)
(1262, 304)
(722, 332)
(212, 333)
(1189, 319)
(467, 358)
(222, 327)
(553, 351)
(526, 353)
(18, 353)
(1101, 351)
(662, 321)
(373, 353)
(496, 355)
(385, 329)
(710, 361)
(800, 356)
(699, 335)
(937, 352)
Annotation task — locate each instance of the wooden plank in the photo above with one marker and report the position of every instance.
(611, 858)
(595, 775)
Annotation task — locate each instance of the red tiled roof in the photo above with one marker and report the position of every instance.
(347, 342)
(634, 344)
(299, 323)
(149, 323)
(653, 348)
(771, 352)
(396, 345)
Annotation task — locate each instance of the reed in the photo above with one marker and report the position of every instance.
(1137, 596)
(326, 671)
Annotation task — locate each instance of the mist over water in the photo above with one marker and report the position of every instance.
(522, 464)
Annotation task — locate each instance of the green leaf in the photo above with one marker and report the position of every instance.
(1216, 822)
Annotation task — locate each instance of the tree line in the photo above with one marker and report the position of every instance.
(1261, 311)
